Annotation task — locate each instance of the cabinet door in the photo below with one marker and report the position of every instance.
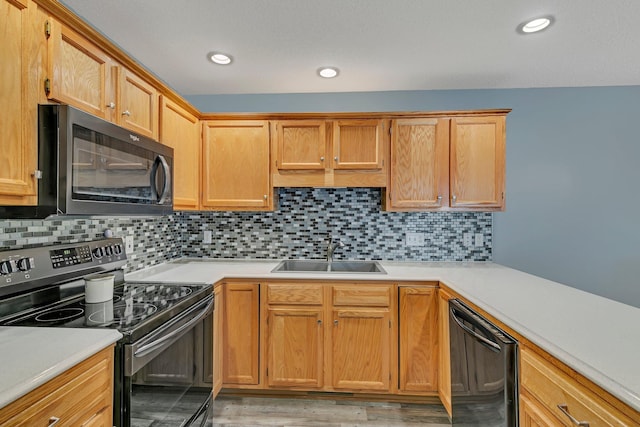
(240, 334)
(180, 130)
(20, 72)
(79, 73)
(294, 340)
(477, 162)
(218, 354)
(236, 165)
(301, 144)
(444, 360)
(419, 163)
(137, 105)
(361, 349)
(417, 318)
(358, 144)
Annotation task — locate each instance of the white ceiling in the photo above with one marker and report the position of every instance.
(378, 45)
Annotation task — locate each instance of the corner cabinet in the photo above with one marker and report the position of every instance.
(180, 130)
(80, 396)
(235, 165)
(447, 163)
(22, 62)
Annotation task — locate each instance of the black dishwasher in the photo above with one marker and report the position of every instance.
(484, 371)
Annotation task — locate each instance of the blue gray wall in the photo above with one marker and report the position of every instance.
(572, 174)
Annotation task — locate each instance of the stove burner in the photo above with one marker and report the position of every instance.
(128, 312)
(59, 315)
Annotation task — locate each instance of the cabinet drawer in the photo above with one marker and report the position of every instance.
(553, 387)
(294, 294)
(75, 396)
(362, 295)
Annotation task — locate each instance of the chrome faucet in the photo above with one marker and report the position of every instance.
(331, 248)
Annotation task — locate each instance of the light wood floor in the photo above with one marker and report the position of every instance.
(231, 411)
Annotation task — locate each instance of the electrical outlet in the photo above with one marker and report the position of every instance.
(479, 239)
(207, 236)
(414, 239)
(128, 244)
(467, 239)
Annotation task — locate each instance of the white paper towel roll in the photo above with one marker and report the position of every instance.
(98, 288)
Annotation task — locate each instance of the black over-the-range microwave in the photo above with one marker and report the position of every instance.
(88, 166)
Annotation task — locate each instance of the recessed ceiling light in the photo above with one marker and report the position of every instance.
(328, 72)
(220, 58)
(535, 25)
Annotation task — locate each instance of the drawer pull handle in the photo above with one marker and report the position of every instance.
(53, 421)
(565, 410)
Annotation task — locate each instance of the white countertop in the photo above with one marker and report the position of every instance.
(30, 357)
(597, 337)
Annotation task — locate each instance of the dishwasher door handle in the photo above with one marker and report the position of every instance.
(490, 344)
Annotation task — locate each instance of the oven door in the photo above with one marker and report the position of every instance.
(161, 381)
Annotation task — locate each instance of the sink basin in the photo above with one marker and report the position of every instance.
(317, 266)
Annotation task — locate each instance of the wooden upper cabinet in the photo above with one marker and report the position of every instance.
(22, 58)
(419, 176)
(235, 168)
(181, 131)
(137, 104)
(358, 144)
(79, 72)
(477, 162)
(301, 144)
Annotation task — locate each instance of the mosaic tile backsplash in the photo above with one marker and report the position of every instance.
(155, 238)
(299, 228)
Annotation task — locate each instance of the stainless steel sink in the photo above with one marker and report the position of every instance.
(317, 266)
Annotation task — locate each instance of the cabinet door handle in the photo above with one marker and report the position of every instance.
(335, 323)
(439, 200)
(322, 159)
(126, 113)
(53, 421)
(453, 198)
(111, 105)
(565, 410)
(266, 197)
(335, 158)
(319, 322)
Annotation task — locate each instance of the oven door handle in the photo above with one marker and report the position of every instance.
(153, 345)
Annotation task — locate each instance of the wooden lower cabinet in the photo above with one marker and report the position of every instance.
(80, 396)
(444, 353)
(295, 347)
(241, 357)
(218, 346)
(549, 394)
(418, 337)
(360, 358)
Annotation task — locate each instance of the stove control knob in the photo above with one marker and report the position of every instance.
(108, 250)
(7, 267)
(25, 264)
(117, 249)
(98, 253)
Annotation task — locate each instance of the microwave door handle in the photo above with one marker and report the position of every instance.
(167, 179)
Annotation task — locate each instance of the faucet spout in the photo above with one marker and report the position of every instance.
(331, 248)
